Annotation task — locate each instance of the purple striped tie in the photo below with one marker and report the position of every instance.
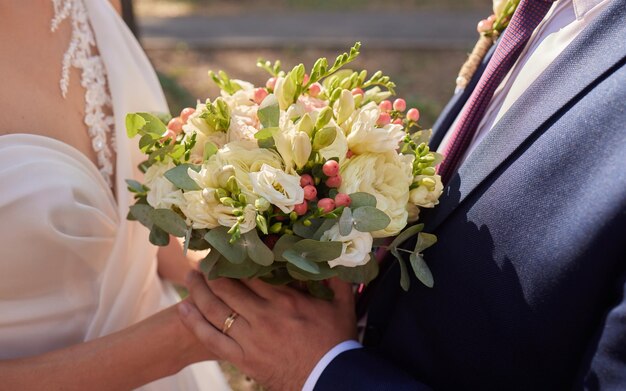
(527, 17)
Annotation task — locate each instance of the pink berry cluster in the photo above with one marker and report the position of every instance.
(333, 180)
(261, 93)
(486, 25)
(392, 112)
(175, 126)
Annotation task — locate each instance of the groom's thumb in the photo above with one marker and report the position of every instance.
(343, 291)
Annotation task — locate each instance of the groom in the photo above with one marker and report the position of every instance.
(530, 267)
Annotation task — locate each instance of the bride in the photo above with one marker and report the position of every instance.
(81, 304)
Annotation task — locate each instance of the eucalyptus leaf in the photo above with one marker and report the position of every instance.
(368, 219)
(363, 274)
(284, 243)
(345, 222)
(158, 237)
(169, 221)
(278, 276)
(257, 250)
(179, 176)
(421, 270)
(245, 269)
(424, 240)
(207, 264)
(141, 212)
(135, 186)
(269, 112)
(196, 241)
(317, 251)
(307, 232)
(187, 239)
(295, 258)
(325, 273)
(405, 280)
(362, 199)
(219, 239)
(406, 235)
(326, 225)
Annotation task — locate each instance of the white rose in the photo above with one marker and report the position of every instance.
(279, 188)
(241, 129)
(386, 176)
(427, 193)
(162, 194)
(365, 136)
(356, 247)
(203, 212)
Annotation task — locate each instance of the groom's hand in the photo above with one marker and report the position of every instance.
(279, 334)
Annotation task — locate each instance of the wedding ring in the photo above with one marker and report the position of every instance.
(229, 322)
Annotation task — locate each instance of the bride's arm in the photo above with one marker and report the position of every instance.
(173, 264)
(156, 347)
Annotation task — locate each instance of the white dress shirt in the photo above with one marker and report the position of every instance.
(565, 20)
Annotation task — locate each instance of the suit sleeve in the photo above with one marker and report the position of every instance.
(363, 370)
(604, 366)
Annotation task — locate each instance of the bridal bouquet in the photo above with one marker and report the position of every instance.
(299, 180)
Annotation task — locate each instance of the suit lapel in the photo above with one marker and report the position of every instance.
(598, 48)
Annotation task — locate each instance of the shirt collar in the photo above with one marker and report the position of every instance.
(581, 7)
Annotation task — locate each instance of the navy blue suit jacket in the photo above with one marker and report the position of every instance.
(530, 266)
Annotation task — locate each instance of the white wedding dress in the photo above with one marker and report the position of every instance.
(72, 268)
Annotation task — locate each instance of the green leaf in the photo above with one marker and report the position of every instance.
(295, 258)
(345, 222)
(134, 122)
(152, 124)
(141, 212)
(135, 187)
(326, 225)
(284, 243)
(196, 241)
(227, 269)
(169, 221)
(362, 199)
(307, 232)
(363, 274)
(406, 235)
(207, 264)
(424, 240)
(279, 276)
(187, 239)
(219, 239)
(368, 219)
(179, 176)
(257, 250)
(405, 280)
(421, 270)
(325, 273)
(158, 237)
(269, 112)
(316, 251)
(319, 290)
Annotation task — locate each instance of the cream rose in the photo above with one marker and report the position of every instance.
(386, 176)
(365, 136)
(279, 188)
(427, 193)
(202, 211)
(356, 247)
(162, 194)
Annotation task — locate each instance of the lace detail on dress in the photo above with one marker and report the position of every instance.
(81, 55)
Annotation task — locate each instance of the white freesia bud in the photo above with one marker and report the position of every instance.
(224, 174)
(301, 149)
(427, 193)
(306, 124)
(162, 193)
(261, 204)
(498, 7)
(345, 106)
(279, 188)
(283, 101)
(356, 247)
(248, 223)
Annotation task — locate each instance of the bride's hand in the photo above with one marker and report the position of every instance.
(279, 334)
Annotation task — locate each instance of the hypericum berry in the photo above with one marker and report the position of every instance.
(175, 125)
(349, 154)
(413, 115)
(492, 18)
(357, 91)
(385, 105)
(306, 79)
(383, 119)
(306, 180)
(330, 168)
(326, 204)
(168, 135)
(259, 95)
(315, 89)
(301, 209)
(186, 113)
(310, 192)
(484, 26)
(271, 83)
(399, 104)
(334, 182)
(342, 199)
(397, 121)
